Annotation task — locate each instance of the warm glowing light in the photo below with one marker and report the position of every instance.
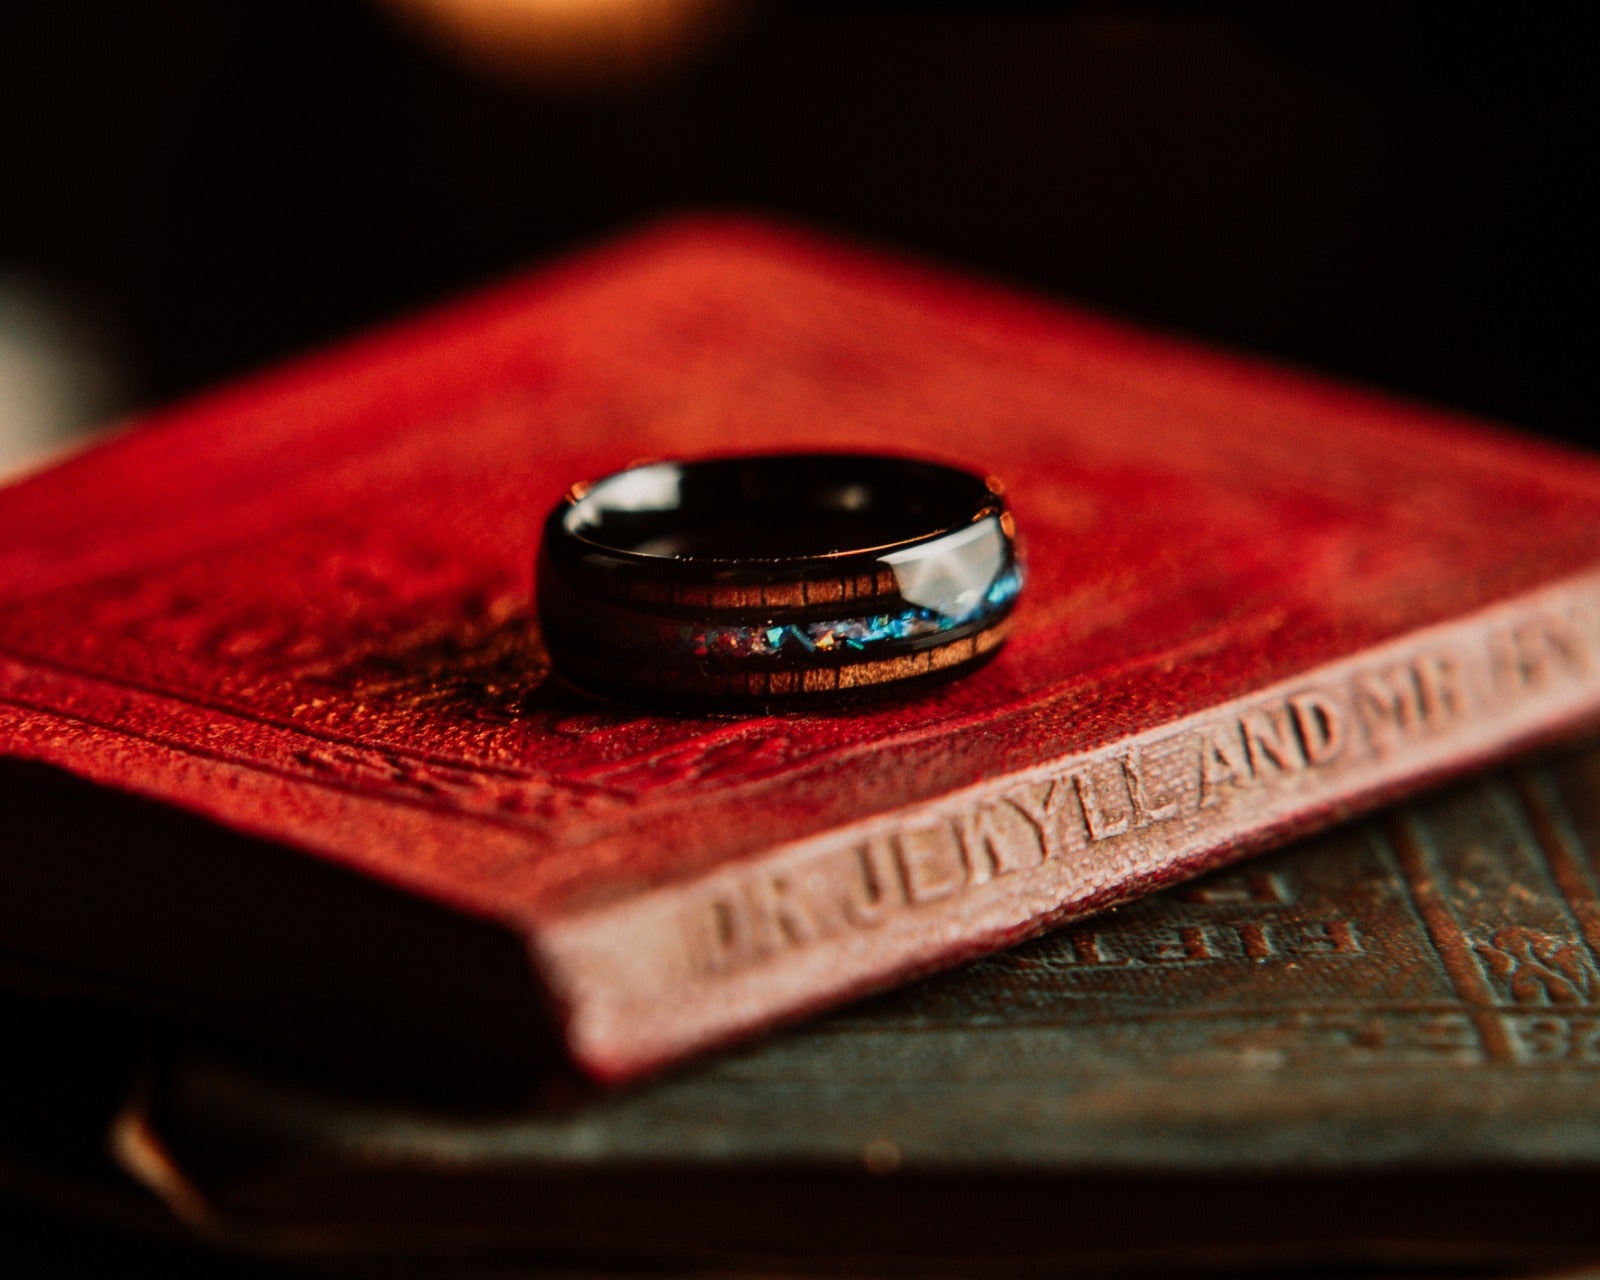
(576, 44)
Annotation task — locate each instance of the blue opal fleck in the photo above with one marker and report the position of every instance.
(859, 634)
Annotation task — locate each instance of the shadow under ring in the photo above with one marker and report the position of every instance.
(777, 581)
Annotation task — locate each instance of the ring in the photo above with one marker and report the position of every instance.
(776, 581)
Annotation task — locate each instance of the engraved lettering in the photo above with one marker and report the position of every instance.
(1021, 831)
(875, 884)
(1270, 739)
(1044, 804)
(1186, 944)
(719, 933)
(781, 911)
(1517, 660)
(1320, 722)
(1330, 938)
(1545, 1039)
(1145, 808)
(1102, 825)
(1086, 947)
(1532, 654)
(728, 927)
(1223, 762)
(1253, 887)
(1564, 643)
(1389, 703)
(739, 926)
(1443, 1035)
(1441, 685)
(931, 865)
(1554, 1038)
(995, 844)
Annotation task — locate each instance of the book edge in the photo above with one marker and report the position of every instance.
(688, 966)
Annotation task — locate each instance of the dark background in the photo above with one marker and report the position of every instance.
(1390, 192)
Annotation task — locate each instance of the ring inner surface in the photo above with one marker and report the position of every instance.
(774, 509)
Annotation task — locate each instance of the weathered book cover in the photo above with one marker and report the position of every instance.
(295, 614)
(1381, 1047)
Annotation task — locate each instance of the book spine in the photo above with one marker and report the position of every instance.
(650, 980)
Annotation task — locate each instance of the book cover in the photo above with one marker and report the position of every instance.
(1376, 1049)
(292, 619)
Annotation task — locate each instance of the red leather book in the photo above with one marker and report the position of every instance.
(283, 746)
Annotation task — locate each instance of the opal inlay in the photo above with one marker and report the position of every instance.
(860, 633)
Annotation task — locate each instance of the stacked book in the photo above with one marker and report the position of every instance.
(340, 930)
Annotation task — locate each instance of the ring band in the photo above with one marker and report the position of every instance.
(774, 581)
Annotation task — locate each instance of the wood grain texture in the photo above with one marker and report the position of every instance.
(300, 607)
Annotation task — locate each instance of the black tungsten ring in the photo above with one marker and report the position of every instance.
(774, 581)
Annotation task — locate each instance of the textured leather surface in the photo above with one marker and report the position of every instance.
(1379, 1046)
(300, 606)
